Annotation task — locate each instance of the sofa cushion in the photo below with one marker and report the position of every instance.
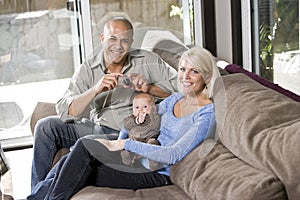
(41, 110)
(232, 68)
(211, 171)
(163, 193)
(260, 126)
(170, 51)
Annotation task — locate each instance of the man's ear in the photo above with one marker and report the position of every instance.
(102, 38)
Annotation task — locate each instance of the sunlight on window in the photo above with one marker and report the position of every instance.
(32, 14)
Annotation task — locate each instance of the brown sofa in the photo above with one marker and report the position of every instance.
(255, 154)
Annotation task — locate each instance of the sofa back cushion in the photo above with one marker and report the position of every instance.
(211, 171)
(260, 126)
(232, 69)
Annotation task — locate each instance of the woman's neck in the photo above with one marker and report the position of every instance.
(197, 100)
(189, 104)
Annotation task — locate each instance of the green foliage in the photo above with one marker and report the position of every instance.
(178, 11)
(279, 35)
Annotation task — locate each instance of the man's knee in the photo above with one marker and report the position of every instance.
(45, 125)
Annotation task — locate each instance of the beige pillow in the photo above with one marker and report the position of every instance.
(261, 127)
(218, 174)
(42, 109)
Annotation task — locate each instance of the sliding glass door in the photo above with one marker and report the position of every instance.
(277, 41)
(151, 18)
(39, 49)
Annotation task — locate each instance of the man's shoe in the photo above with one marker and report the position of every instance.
(4, 165)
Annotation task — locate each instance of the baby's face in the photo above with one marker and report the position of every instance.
(141, 105)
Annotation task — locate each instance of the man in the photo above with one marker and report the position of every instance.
(95, 86)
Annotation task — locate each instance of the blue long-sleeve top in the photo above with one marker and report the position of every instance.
(178, 136)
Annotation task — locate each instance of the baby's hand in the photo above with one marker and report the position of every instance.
(140, 118)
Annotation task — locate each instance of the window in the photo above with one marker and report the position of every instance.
(38, 54)
(278, 42)
(151, 18)
(43, 42)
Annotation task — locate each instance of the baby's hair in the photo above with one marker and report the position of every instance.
(147, 96)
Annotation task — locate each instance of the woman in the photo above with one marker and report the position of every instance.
(186, 119)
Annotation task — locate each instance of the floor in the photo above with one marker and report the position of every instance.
(20, 164)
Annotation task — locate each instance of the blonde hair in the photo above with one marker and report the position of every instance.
(205, 62)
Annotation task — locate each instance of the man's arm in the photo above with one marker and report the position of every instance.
(80, 102)
(140, 84)
(158, 92)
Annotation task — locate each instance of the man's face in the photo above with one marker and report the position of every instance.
(116, 40)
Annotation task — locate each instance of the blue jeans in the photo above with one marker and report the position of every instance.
(40, 190)
(51, 134)
(91, 163)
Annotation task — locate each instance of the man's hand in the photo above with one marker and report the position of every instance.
(139, 83)
(107, 82)
(112, 145)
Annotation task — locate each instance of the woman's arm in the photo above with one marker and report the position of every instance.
(167, 154)
(123, 134)
(173, 153)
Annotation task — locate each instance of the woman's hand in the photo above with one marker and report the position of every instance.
(112, 145)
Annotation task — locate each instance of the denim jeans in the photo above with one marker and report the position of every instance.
(91, 163)
(40, 190)
(52, 134)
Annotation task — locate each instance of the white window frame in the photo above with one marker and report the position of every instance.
(246, 34)
(198, 22)
(255, 42)
(81, 31)
(86, 28)
(224, 30)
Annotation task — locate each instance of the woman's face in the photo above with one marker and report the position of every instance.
(190, 80)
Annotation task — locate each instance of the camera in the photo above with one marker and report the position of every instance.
(124, 81)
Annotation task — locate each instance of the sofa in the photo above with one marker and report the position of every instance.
(254, 154)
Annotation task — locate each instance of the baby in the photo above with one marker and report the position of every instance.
(143, 125)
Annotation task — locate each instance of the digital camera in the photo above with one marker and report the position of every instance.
(124, 81)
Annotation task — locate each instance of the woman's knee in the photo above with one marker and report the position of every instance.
(88, 146)
(83, 143)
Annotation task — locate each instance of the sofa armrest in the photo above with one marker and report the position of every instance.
(42, 109)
